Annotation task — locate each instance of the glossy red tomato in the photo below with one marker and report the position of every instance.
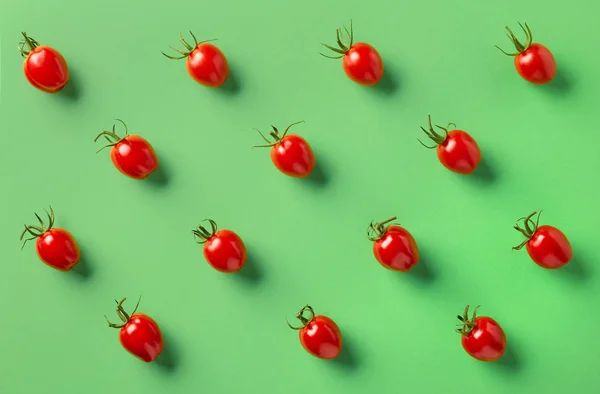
(291, 154)
(224, 250)
(205, 62)
(482, 337)
(139, 334)
(54, 246)
(45, 68)
(547, 246)
(456, 149)
(393, 246)
(362, 63)
(132, 155)
(534, 62)
(319, 335)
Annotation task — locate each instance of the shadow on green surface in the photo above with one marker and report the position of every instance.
(510, 361)
(485, 173)
(576, 269)
(169, 358)
(161, 176)
(389, 82)
(420, 273)
(561, 84)
(319, 177)
(347, 358)
(251, 272)
(72, 90)
(232, 84)
(83, 269)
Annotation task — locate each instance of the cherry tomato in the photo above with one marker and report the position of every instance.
(393, 246)
(362, 63)
(534, 62)
(456, 149)
(319, 335)
(224, 250)
(45, 68)
(547, 246)
(482, 337)
(132, 155)
(138, 333)
(291, 154)
(205, 62)
(54, 246)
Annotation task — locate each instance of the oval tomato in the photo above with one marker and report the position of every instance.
(224, 250)
(482, 337)
(319, 335)
(393, 246)
(45, 68)
(54, 246)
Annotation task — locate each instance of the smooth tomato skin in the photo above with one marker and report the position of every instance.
(57, 248)
(134, 156)
(141, 337)
(322, 338)
(46, 69)
(363, 64)
(536, 64)
(225, 251)
(549, 247)
(459, 152)
(293, 156)
(397, 250)
(487, 341)
(208, 66)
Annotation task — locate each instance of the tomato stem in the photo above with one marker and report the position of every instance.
(437, 138)
(300, 316)
(344, 42)
(37, 231)
(467, 324)
(275, 135)
(375, 231)
(111, 136)
(530, 227)
(122, 314)
(187, 46)
(29, 42)
(518, 45)
(202, 233)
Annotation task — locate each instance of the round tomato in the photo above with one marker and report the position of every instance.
(291, 154)
(547, 246)
(534, 62)
(138, 333)
(131, 155)
(45, 68)
(319, 335)
(224, 250)
(55, 246)
(205, 62)
(482, 337)
(456, 149)
(393, 246)
(362, 63)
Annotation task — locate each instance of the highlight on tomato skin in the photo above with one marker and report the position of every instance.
(44, 67)
(224, 250)
(319, 335)
(481, 336)
(394, 247)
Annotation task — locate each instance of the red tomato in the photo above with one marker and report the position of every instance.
(291, 154)
(547, 246)
(45, 68)
(132, 155)
(362, 63)
(55, 246)
(139, 334)
(482, 337)
(456, 149)
(319, 335)
(205, 62)
(534, 62)
(224, 250)
(394, 247)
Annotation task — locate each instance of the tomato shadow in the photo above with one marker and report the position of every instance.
(561, 84)
(347, 358)
(83, 270)
(484, 173)
(161, 176)
(576, 270)
(231, 86)
(319, 177)
(72, 90)
(510, 360)
(251, 272)
(168, 360)
(389, 82)
(422, 272)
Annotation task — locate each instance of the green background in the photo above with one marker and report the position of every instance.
(306, 238)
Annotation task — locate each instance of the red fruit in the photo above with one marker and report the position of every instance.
(45, 68)
(456, 149)
(291, 154)
(547, 246)
(205, 62)
(55, 246)
(534, 62)
(319, 335)
(482, 337)
(224, 250)
(393, 246)
(362, 63)
(139, 334)
(132, 155)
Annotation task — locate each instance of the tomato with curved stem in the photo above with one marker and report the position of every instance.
(534, 62)
(54, 246)
(362, 63)
(456, 149)
(290, 153)
(482, 337)
(319, 335)
(132, 155)
(205, 63)
(224, 250)
(393, 246)
(45, 68)
(547, 246)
